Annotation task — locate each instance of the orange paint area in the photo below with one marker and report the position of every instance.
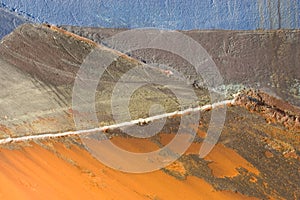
(54, 170)
(225, 162)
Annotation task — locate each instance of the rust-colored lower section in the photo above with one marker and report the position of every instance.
(58, 170)
(273, 109)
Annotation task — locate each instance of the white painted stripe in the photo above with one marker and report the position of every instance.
(115, 126)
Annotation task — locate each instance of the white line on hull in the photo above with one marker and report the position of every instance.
(115, 126)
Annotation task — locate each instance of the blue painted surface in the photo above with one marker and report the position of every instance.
(170, 14)
(9, 22)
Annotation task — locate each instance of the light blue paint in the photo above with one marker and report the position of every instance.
(170, 14)
(9, 22)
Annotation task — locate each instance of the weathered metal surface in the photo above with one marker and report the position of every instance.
(257, 154)
(39, 65)
(266, 60)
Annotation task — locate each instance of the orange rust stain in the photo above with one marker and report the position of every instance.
(194, 148)
(37, 173)
(137, 145)
(175, 116)
(72, 173)
(201, 134)
(124, 56)
(225, 162)
(253, 179)
(54, 28)
(176, 166)
(166, 138)
(269, 154)
(292, 154)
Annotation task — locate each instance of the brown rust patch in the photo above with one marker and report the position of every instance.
(177, 167)
(137, 145)
(274, 110)
(269, 154)
(70, 172)
(225, 162)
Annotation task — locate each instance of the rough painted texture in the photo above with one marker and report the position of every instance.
(170, 14)
(38, 65)
(266, 60)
